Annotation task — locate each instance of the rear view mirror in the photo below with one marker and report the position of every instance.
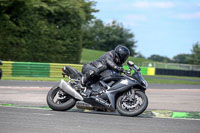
(130, 63)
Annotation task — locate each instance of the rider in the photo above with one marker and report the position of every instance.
(110, 60)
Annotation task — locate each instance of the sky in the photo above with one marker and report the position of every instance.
(163, 27)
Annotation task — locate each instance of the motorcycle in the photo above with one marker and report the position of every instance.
(124, 93)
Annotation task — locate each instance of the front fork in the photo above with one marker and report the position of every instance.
(129, 95)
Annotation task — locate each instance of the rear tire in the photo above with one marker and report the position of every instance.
(66, 103)
(134, 108)
(0, 73)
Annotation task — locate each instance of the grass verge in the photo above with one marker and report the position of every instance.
(177, 77)
(150, 79)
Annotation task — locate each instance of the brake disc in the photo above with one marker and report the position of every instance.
(137, 101)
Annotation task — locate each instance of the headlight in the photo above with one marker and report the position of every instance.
(145, 82)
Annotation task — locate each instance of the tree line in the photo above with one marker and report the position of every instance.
(55, 30)
(193, 58)
(43, 30)
(105, 37)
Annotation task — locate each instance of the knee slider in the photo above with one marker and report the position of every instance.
(91, 73)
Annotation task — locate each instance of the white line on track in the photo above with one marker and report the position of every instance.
(41, 114)
(178, 118)
(23, 107)
(18, 87)
(27, 108)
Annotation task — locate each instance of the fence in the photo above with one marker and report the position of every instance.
(174, 72)
(175, 66)
(34, 69)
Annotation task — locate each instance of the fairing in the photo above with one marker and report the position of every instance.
(119, 87)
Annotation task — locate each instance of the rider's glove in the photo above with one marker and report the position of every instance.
(120, 69)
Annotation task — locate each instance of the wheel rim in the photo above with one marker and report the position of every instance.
(131, 104)
(59, 97)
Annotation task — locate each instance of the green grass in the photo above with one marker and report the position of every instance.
(89, 55)
(178, 77)
(153, 80)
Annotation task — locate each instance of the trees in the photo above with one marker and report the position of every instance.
(43, 30)
(139, 55)
(97, 35)
(54, 30)
(181, 58)
(159, 58)
(195, 56)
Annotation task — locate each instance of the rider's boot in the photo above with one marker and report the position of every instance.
(83, 80)
(87, 92)
(86, 84)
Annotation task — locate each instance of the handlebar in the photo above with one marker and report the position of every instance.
(133, 67)
(127, 72)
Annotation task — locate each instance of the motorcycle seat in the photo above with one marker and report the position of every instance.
(72, 73)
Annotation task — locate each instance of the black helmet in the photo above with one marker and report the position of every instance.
(123, 53)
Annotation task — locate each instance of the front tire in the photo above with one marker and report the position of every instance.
(59, 100)
(127, 107)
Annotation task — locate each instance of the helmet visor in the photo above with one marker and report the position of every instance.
(124, 57)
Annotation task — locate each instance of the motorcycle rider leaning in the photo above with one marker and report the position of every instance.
(110, 60)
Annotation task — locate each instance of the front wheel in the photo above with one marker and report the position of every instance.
(58, 100)
(132, 105)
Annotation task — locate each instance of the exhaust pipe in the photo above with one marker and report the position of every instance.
(69, 90)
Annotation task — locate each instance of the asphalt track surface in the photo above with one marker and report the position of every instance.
(22, 118)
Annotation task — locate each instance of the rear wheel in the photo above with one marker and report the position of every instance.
(60, 101)
(132, 105)
(0, 73)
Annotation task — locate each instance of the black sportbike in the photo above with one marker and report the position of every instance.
(114, 91)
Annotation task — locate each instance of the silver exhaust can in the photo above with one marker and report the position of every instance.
(69, 90)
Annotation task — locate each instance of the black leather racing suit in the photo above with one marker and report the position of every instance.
(92, 70)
